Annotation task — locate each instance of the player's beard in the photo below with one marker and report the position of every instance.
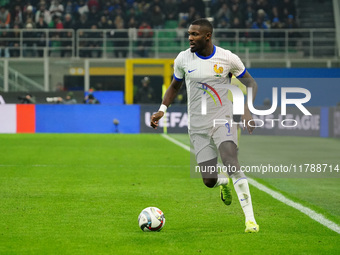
(193, 48)
(197, 46)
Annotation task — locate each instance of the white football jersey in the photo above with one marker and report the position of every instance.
(206, 79)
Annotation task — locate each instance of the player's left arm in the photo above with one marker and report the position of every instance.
(249, 82)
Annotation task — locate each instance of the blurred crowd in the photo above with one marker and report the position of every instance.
(105, 14)
(254, 13)
(138, 16)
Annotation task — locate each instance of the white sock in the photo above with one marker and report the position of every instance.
(242, 189)
(221, 180)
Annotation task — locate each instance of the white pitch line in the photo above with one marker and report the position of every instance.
(185, 147)
(309, 212)
(305, 210)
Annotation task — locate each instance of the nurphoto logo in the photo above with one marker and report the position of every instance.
(238, 104)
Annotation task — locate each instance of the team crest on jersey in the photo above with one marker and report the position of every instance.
(218, 70)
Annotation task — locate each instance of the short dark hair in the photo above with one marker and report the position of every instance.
(203, 23)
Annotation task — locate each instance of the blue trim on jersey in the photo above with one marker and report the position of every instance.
(177, 79)
(241, 75)
(210, 56)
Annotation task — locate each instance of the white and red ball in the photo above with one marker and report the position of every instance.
(151, 219)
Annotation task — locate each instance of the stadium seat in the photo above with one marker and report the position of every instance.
(171, 24)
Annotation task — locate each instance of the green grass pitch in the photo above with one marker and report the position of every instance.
(81, 194)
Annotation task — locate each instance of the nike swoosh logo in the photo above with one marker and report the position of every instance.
(190, 71)
(244, 199)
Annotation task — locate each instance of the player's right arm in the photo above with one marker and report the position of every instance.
(168, 98)
(172, 91)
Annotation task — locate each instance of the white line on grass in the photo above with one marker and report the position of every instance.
(185, 147)
(309, 212)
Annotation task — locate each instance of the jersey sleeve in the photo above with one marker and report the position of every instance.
(237, 68)
(178, 69)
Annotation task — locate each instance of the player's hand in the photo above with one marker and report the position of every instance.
(248, 119)
(155, 118)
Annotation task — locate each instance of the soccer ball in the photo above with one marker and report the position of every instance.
(151, 219)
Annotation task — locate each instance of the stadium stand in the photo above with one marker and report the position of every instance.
(118, 14)
(160, 14)
(322, 18)
(95, 38)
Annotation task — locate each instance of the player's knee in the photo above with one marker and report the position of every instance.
(210, 182)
